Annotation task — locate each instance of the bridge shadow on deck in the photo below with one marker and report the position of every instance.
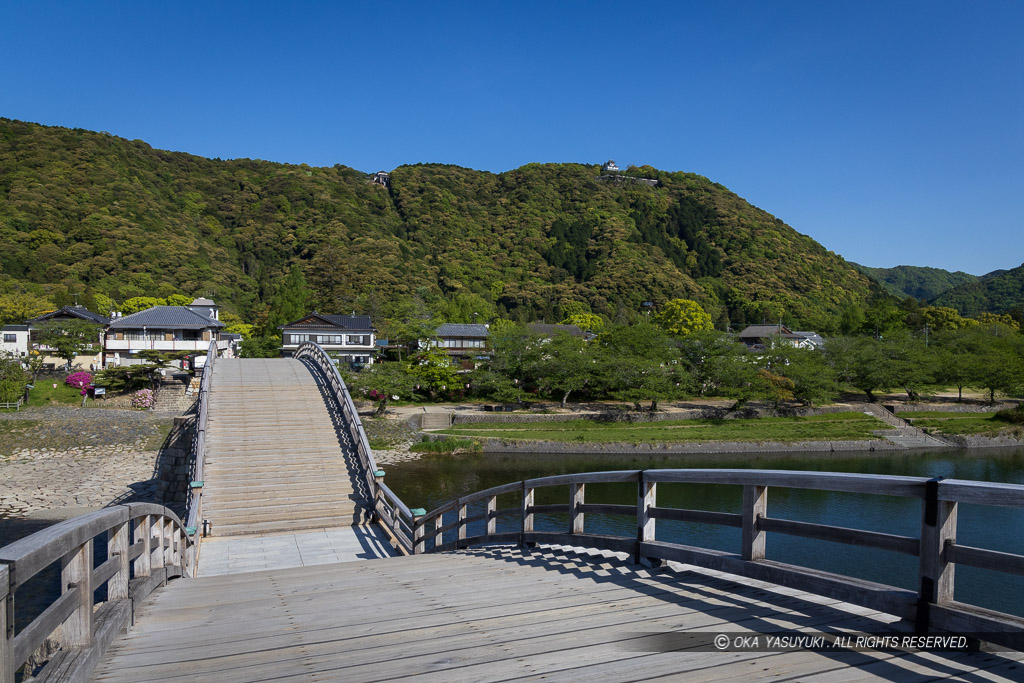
(348, 448)
(752, 607)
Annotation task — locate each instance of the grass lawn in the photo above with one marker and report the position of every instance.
(840, 426)
(958, 423)
(43, 394)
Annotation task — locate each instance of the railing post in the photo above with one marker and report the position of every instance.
(755, 504)
(156, 529)
(646, 498)
(6, 627)
(935, 573)
(143, 532)
(378, 479)
(462, 523)
(76, 572)
(117, 546)
(438, 534)
(577, 493)
(527, 515)
(492, 521)
(418, 540)
(168, 540)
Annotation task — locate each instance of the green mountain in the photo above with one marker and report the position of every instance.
(85, 211)
(920, 282)
(1000, 291)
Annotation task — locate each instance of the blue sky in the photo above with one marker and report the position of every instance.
(889, 132)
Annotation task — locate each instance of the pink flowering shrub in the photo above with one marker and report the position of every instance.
(143, 399)
(79, 380)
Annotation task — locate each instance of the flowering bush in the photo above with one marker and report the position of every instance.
(79, 380)
(143, 399)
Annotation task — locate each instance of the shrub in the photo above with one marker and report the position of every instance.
(1012, 415)
(143, 399)
(79, 380)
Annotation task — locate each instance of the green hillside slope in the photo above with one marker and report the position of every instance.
(83, 210)
(920, 282)
(1000, 291)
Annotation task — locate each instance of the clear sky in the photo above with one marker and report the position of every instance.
(891, 132)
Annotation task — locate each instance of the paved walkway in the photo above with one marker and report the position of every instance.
(237, 554)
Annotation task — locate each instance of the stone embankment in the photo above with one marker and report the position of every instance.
(58, 462)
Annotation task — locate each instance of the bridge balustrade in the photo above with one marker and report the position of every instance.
(931, 607)
(146, 545)
(388, 510)
(194, 496)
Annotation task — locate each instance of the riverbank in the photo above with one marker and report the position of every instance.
(900, 435)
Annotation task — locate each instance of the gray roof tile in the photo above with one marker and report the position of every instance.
(165, 317)
(462, 330)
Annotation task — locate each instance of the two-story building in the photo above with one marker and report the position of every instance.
(162, 328)
(346, 338)
(463, 342)
(92, 357)
(15, 341)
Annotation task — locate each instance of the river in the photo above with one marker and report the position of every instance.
(435, 479)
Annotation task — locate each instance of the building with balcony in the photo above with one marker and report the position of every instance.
(90, 357)
(160, 328)
(465, 343)
(347, 339)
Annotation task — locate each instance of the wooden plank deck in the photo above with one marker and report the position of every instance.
(274, 462)
(499, 613)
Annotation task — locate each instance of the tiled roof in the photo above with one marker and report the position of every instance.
(544, 328)
(762, 331)
(326, 321)
(15, 328)
(165, 317)
(74, 311)
(202, 302)
(462, 330)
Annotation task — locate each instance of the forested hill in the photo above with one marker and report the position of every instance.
(89, 212)
(1000, 291)
(920, 282)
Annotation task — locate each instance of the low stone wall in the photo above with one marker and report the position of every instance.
(708, 413)
(952, 407)
(559, 447)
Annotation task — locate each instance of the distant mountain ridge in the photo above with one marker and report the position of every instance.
(920, 282)
(1000, 291)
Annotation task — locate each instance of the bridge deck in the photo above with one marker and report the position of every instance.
(496, 614)
(274, 462)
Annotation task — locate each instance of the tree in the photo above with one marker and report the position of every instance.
(999, 365)
(385, 382)
(913, 366)
(814, 380)
(433, 370)
(589, 322)
(12, 378)
(291, 301)
(496, 385)
(140, 303)
(716, 363)
(67, 338)
(682, 317)
(568, 364)
(860, 362)
(17, 307)
(944, 318)
(642, 364)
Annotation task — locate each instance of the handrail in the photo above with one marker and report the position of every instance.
(931, 607)
(194, 498)
(388, 510)
(146, 544)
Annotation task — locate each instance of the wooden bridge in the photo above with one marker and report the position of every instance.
(485, 589)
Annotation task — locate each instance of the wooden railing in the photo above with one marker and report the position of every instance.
(388, 510)
(194, 497)
(931, 607)
(145, 545)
